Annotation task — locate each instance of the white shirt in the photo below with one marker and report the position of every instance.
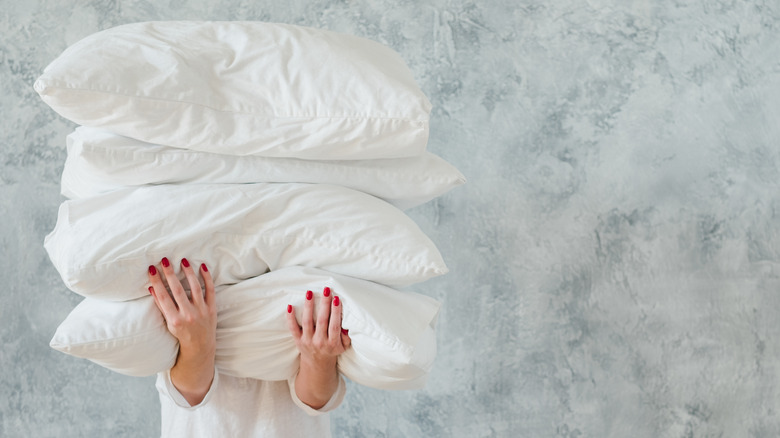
(242, 407)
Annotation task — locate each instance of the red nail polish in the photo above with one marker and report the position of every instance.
(336, 301)
(326, 292)
(165, 262)
(152, 270)
(289, 308)
(309, 295)
(151, 290)
(203, 266)
(185, 263)
(345, 331)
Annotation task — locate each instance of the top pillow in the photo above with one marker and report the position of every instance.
(242, 88)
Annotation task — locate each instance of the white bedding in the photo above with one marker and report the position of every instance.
(252, 147)
(100, 161)
(102, 245)
(242, 88)
(393, 343)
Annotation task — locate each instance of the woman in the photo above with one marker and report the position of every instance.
(198, 401)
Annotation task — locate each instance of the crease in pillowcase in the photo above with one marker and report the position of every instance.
(381, 259)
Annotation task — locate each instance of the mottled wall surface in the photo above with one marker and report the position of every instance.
(615, 256)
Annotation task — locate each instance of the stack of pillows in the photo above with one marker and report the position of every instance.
(282, 157)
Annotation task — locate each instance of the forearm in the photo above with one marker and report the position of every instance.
(193, 373)
(317, 381)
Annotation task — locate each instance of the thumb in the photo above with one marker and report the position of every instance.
(346, 341)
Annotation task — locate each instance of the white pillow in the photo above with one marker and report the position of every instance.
(392, 332)
(128, 337)
(393, 341)
(102, 245)
(242, 88)
(99, 161)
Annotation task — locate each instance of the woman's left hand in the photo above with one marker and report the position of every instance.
(320, 341)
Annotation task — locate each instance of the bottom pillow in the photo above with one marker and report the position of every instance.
(392, 332)
(127, 337)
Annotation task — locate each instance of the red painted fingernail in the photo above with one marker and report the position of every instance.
(309, 295)
(151, 290)
(152, 270)
(203, 266)
(289, 308)
(345, 331)
(165, 262)
(336, 301)
(326, 292)
(185, 263)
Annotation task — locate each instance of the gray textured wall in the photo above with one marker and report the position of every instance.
(615, 255)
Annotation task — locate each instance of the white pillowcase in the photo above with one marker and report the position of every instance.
(392, 332)
(127, 337)
(99, 161)
(242, 88)
(102, 245)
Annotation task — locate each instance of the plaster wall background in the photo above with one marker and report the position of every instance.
(615, 255)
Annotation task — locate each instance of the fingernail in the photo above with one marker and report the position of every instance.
(345, 331)
(165, 262)
(336, 301)
(203, 266)
(309, 295)
(151, 290)
(289, 308)
(326, 292)
(152, 270)
(185, 263)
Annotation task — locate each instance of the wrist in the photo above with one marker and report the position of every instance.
(197, 351)
(193, 373)
(321, 364)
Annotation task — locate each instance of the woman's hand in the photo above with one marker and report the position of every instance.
(193, 321)
(320, 340)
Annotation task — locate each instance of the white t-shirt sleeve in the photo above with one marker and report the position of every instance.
(165, 387)
(332, 404)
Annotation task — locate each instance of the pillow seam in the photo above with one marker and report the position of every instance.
(114, 338)
(54, 84)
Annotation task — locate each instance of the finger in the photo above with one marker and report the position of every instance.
(161, 297)
(346, 341)
(192, 280)
(334, 327)
(308, 315)
(182, 301)
(323, 315)
(292, 323)
(210, 297)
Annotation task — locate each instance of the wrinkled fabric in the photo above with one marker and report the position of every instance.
(242, 88)
(103, 245)
(99, 161)
(392, 332)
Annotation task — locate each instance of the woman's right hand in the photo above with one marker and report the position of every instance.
(191, 320)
